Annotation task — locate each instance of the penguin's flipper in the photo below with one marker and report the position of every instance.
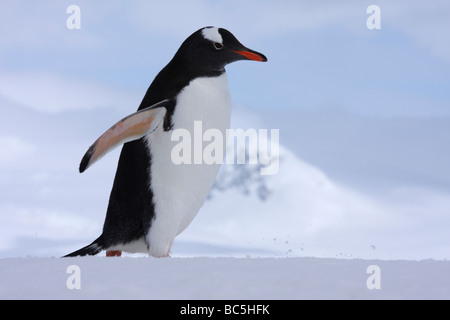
(130, 128)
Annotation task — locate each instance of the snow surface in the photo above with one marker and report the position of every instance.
(221, 278)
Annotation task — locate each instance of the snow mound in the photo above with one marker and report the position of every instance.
(297, 212)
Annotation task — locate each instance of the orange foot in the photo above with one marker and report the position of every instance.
(113, 253)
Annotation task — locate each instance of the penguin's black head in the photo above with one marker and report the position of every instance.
(213, 48)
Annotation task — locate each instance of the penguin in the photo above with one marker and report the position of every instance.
(153, 199)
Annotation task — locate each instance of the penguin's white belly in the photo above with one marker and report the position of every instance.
(179, 190)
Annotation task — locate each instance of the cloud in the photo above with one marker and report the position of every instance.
(258, 18)
(424, 22)
(42, 24)
(54, 93)
(427, 23)
(14, 149)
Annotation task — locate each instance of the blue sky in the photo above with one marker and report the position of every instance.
(369, 108)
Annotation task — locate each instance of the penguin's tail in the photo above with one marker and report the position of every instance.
(90, 250)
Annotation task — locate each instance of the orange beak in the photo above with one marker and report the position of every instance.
(255, 56)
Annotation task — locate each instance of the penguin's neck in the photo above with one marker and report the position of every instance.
(205, 99)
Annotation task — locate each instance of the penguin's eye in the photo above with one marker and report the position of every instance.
(218, 45)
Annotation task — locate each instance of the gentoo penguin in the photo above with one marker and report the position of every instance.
(154, 199)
